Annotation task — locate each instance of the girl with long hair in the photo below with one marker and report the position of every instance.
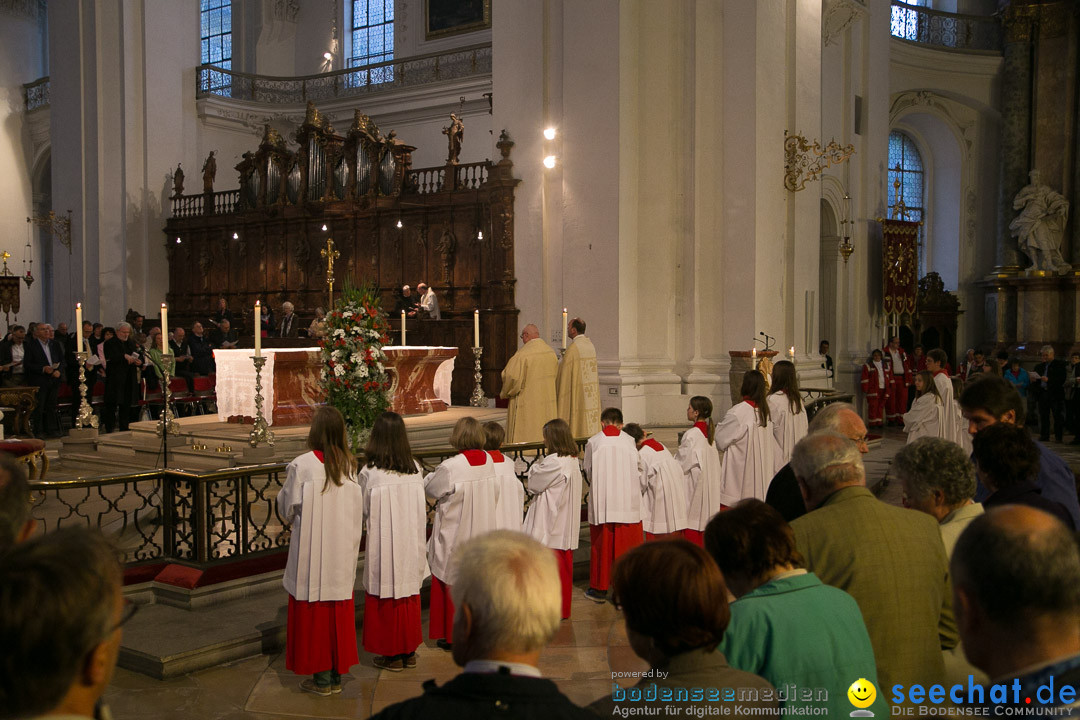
(511, 506)
(395, 563)
(700, 464)
(926, 417)
(786, 409)
(324, 503)
(554, 518)
(745, 436)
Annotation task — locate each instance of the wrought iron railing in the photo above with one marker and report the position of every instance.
(412, 71)
(947, 30)
(36, 94)
(200, 518)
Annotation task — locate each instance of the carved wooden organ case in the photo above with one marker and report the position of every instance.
(449, 226)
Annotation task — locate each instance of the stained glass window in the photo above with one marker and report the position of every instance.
(371, 30)
(215, 18)
(906, 165)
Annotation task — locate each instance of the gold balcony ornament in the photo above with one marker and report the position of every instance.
(59, 226)
(805, 160)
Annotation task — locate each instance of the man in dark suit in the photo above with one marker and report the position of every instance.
(122, 364)
(44, 369)
(289, 326)
(202, 353)
(181, 350)
(224, 338)
(1049, 376)
(12, 352)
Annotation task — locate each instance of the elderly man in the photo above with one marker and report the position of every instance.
(16, 525)
(939, 480)
(1049, 377)
(896, 404)
(993, 400)
(1016, 585)
(406, 303)
(45, 369)
(889, 559)
(577, 385)
(123, 362)
(528, 381)
(509, 603)
(289, 326)
(839, 418)
(61, 626)
(202, 352)
(224, 338)
(429, 302)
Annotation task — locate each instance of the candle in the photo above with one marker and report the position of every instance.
(753, 353)
(403, 328)
(564, 328)
(791, 352)
(164, 327)
(258, 328)
(476, 328)
(78, 327)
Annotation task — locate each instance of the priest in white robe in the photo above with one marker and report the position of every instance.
(613, 467)
(528, 381)
(577, 385)
(663, 501)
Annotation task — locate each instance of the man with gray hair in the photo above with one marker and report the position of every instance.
(889, 559)
(528, 381)
(16, 525)
(1016, 588)
(840, 418)
(509, 603)
(429, 301)
(289, 327)
(61, 626)
(1048, 382)
(44, 362)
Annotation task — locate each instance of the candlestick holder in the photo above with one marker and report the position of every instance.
(478, 399)
(86, 417)
(260, 432)
(166, 424)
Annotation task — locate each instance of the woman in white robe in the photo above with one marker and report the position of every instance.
(745, 436)
(511, 506)
(786, 412)
(395, 563)
(466, 495)
(700, 463)
(663, 501)
(554, 518)
(323, 502)
(926, 418)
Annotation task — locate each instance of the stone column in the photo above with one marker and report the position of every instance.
(1075, 205)
(1016, 86)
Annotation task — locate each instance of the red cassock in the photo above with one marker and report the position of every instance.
(896, 402)
(875, 395)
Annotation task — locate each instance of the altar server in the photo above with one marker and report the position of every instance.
(395, 563)
(324, 503)
(511, 506)
(466, 494)
(876, 383)
(577, 384)
(614, 471)
(786, 409)
(663, 508)
(953, 427)
(554, 518)
(927, 415)
(700, 463)
(745, 436)
(528, 381)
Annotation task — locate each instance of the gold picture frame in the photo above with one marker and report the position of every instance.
(444, 18)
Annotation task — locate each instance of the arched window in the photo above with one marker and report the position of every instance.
(906, 165)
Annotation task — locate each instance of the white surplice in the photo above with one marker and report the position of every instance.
(326, 531)
(926, 418)
(613, 467)
(700, 463)
(788, 427)
(664, 499)
(751, 455)
(395, 562)
(953, 426)
(511, 506)
(466, 497)
(554, 518)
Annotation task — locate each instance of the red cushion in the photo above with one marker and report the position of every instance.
(180, 576)
(19, 448)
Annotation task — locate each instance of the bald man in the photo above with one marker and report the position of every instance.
(528, 381)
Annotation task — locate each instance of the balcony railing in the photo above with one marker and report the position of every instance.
(37, 94)
(972, 33)
(407, 72)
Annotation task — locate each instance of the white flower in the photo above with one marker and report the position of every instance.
(339, 370)
(339, 333)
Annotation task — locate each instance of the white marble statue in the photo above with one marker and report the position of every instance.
(1040, 226)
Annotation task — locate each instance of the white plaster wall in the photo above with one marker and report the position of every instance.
(21, 43)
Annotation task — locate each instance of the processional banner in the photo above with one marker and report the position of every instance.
(900, 261)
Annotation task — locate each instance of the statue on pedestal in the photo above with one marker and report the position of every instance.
(209, 172)
(178, 181)
(454, 135)
(1040, 226)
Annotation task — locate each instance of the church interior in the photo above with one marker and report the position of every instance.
(705, 183)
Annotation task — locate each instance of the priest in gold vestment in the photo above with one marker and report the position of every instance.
(528, 381)
(577, 386)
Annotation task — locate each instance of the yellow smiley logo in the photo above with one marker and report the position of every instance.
(862, 693)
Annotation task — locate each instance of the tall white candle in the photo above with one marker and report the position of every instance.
(164, 327)
(258, 328)
(476, 327)
(791, 352)
(78, 327)
(564, 328)
(403, 328)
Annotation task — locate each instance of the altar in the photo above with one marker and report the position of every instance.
(420, 382)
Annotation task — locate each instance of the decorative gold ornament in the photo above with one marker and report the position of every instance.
(805, 161)
(56, 225)
(330, 255)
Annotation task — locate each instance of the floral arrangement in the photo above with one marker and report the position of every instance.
(354, 376)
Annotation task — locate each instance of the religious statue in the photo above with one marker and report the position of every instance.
(445, 246)
(209, 172)
(178, 181)
(454, 135)
(1040, 226)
